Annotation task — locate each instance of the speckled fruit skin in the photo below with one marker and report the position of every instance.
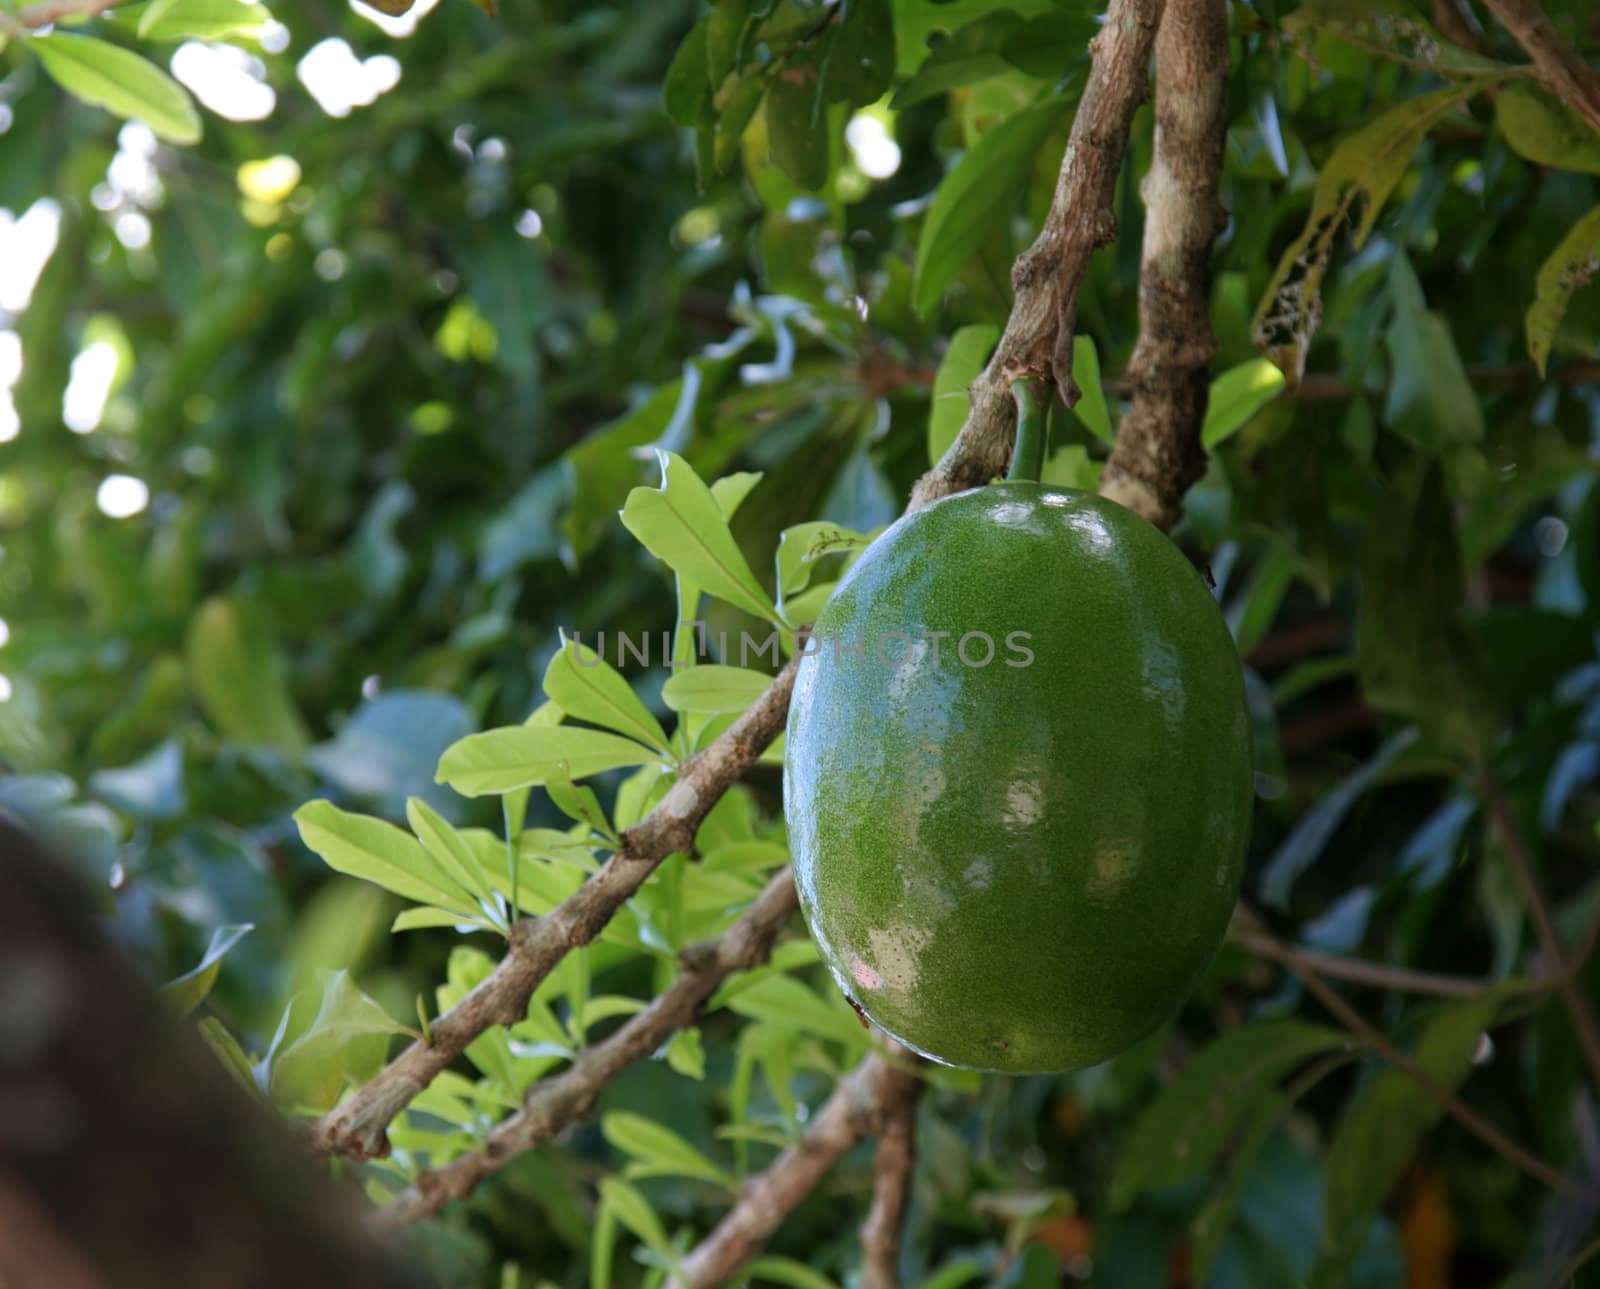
(1020, 869)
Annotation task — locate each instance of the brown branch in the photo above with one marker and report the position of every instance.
(554, 1103)
(357, 1126)
(1082, 219)
(854, 1111)
(1459, 25)
(1568, 987)
(1158, 454)
(50, 11)
(1270, 946)
(1563, 71)
(891, 1181)
(1361, 972)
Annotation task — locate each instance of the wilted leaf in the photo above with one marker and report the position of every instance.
(1573, 263)
(1546, 130)
(1365, 167)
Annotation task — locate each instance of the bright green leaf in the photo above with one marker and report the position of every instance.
(170, 20)
(120, 81)
(378, 852)
(680, 523)
(588, 688)
(1091, 408)
(963, 360)
(714, 689)
(188, 991)
(521, 756)
(1237, 395)
(655, 1143)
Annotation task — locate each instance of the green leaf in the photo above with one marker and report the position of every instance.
(450, 851)
(800, 548)
(1366, 168)
(798, 138)
(963, 360)
(786, 1271)
(1572, 264)
(238, 674)
(1090, 409)
(1316, 827)
(655, 1143)
(785, 1003)
(346, 1038)
(1195, 1117)
(1431, 401)
(120, 81)
(360, 846)
(1546, 130)
(858, 66)
(1378, 1134)
(588, 688)
(731, 490)
(227, 1050)
(976, 197)
(1416, 656)
(579, 802)
(427, 917)
(1055, 42)
(188, 991)
(635, 1213)
(1073, 467)
(686, 90)
(170, 20)
(713, 689)
(680, 523)
(686, 1054)
(976, 51)
(520, 756)
(1237, 395)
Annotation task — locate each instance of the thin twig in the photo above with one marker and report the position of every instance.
(51, 11)
(1082, 219)
(1567, 985)
(891, 1181)
(357, 1126)
(1158, 454)
(556, 1102)
(1561, 68)
(1361, 972)
(854, 1111)
(1270, 946)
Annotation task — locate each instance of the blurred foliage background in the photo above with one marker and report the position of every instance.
(315, 432)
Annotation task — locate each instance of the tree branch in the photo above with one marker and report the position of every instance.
(1270, 946)
(1158, 453)
(1378, 974)
(50, 11)
(554, 1103)
(1082, 219)
(854, 1111)
(357, 1126)
(891, 1181)
(1564, 978)
(1563, 72)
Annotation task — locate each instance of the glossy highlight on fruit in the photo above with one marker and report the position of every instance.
(1020, 865)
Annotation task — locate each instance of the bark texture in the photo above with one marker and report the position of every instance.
(1158, 455)
(1082, 219)
(129, 1158)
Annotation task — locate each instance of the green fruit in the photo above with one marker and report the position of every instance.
(1019, 868)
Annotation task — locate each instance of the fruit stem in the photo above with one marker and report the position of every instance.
(1027, 457)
